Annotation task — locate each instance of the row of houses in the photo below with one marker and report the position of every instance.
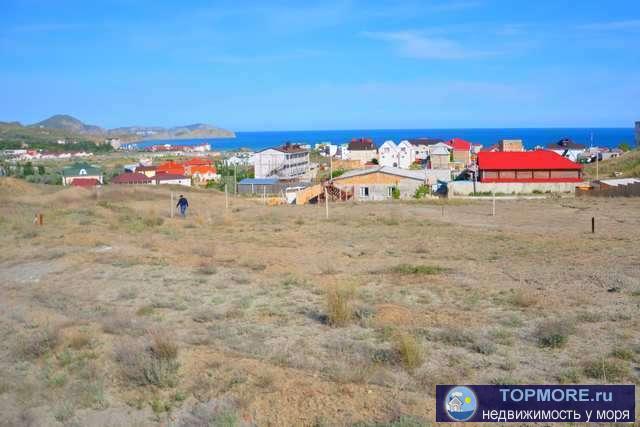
(197, 171)
(28, 155)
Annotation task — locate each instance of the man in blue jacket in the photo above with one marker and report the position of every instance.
(183, 204)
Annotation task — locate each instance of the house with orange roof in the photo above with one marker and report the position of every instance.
(203, 174)
(170, 167)
(461, 151)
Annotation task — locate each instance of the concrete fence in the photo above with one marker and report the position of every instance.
(467, 188)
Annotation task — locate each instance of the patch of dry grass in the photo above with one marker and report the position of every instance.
(339, 305)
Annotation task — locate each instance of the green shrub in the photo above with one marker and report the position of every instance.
(417, 269)
(422, 191)
(553, 333)
(608, 370)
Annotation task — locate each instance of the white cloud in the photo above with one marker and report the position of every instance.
(632, 24)
(413, 44)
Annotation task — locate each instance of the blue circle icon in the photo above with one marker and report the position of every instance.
(460, 403)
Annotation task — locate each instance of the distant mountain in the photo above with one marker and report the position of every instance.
(68, 124)
(197, 130)
(62, 126)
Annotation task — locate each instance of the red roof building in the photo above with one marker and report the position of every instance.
(527, 166)
(131, 178)
(197, 162)
(459, 144)
(170, 167)
(85, 182)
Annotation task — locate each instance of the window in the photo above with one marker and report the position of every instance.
(364, 191)
(390, 191)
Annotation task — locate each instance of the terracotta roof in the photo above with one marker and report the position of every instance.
(131, 178)
(524, 160)
(85, 182)
(197, 162)
(361, 144)
(204, 169)
(460, 144)
(171, 167)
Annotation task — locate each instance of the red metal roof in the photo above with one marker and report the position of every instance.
(85, 182)
(197, 162)
(524, 160)
(460, 144)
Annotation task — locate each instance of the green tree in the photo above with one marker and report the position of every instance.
(624, 146)
(41, 170)
(27, 169)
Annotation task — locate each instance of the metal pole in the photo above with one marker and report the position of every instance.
(593, 224)
(264, 194)
(326, 203)
(597, 162)
(226, 197)
(172, 204)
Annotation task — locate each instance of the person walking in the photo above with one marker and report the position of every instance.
(183, 204)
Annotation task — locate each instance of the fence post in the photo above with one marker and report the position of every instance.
(172, 204)
(326, 203)
(593, 224)
(226, 197)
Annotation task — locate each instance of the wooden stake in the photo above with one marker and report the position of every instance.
(442, 210)
(172, 205)
(326, 203)
(593, 224)
(493, 207)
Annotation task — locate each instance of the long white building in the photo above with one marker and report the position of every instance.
(288, 161)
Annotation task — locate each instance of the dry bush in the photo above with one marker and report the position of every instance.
(607, 370)
(524, 298)
(123, 324)
(151, 363)
(409, 351)
(553, 333)
(162, 345)
(80, 339)
(339, 306)
(39, 342)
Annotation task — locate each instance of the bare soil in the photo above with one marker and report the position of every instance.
(241, 295)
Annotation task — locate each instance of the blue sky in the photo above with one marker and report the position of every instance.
(336, 64)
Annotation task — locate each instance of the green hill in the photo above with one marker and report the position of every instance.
(628, 165)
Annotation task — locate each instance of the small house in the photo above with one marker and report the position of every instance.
(149, 171)
(289, 161)
(362, 149)
(81, 171)
(381, 182)
(461, 151)
(567, 148)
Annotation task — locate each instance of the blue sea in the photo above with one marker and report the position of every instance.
(602, 137)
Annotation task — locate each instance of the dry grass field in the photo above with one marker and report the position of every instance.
(113, 313)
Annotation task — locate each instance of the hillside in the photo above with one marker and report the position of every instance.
(628, 165)
(69, 124)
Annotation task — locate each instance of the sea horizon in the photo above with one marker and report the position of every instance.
(257, 140)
